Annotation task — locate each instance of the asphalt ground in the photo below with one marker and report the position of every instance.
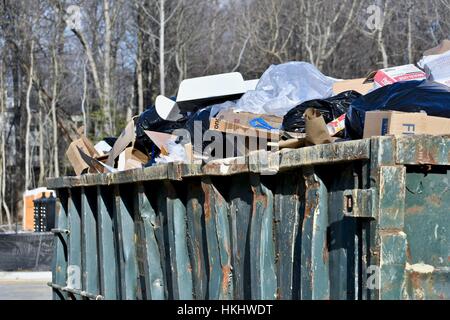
(25, 286)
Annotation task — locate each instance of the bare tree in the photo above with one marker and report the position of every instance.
(3, 204)
(42, 127)
(28, 155)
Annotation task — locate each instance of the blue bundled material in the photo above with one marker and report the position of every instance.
(408, 96)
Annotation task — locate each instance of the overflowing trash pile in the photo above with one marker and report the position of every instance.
(292, 105)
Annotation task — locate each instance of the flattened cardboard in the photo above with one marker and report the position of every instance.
(161, 140)
(443, 47)
(90, 146)
(380, 123)
(125, 139)
(131, 158)
(76, 160)
(95, 164)
(247, 124)
(359, 85)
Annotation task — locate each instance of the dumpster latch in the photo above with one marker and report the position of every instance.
(359, 203)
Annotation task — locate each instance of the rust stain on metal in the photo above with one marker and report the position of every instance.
(258, 197)
(197, 253)
(325, 254)
(408, 253)
(425, 154)
(310, 206)
(207, 205)
(226, 278)
(434, 200)
(391, 232)
(311, 184)
(414, 278)
(415, 210)
(196, 205)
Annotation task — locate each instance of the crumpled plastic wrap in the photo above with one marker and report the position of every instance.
(285, 86)
(177, 153)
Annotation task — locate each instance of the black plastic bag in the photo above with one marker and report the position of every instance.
(330, 108)
(200, 117)
(205, 148)
(406, 96)
(151, 121)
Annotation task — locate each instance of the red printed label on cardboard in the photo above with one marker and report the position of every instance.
(411, 76)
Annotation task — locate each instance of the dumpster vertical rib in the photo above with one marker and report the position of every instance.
(288, 208)
(106, 243)
(197, 240)
(315, 282)
(240, 221)
(223, 238)
(59, 264)
(382, 152)
(162, 237)
(74, 222)
(262, 247)
(218, 241)
(179, 256)
(89, 241)
(126, 237)
(391, 214)
(215, 273)
(150, 261)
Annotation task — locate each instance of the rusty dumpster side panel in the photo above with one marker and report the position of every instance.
(364, 219)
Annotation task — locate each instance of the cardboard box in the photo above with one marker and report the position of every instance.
(380, 123)
(359, 85)
(132, 158)
(443, 47)
(392, 75)
(74, 156)
(247, 124)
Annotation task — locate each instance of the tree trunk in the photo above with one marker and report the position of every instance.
(2, 137)
(41, 142)
(28, 156)
(107, 69)
(53, 107)
(380, 40)
(3, 157)
(3, 203)
(162, 22)
(410, 35)
(140, 86)
(83, 101)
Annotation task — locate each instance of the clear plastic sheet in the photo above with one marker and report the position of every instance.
(285, 86)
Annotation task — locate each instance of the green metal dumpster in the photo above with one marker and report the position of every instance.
(366, 219)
